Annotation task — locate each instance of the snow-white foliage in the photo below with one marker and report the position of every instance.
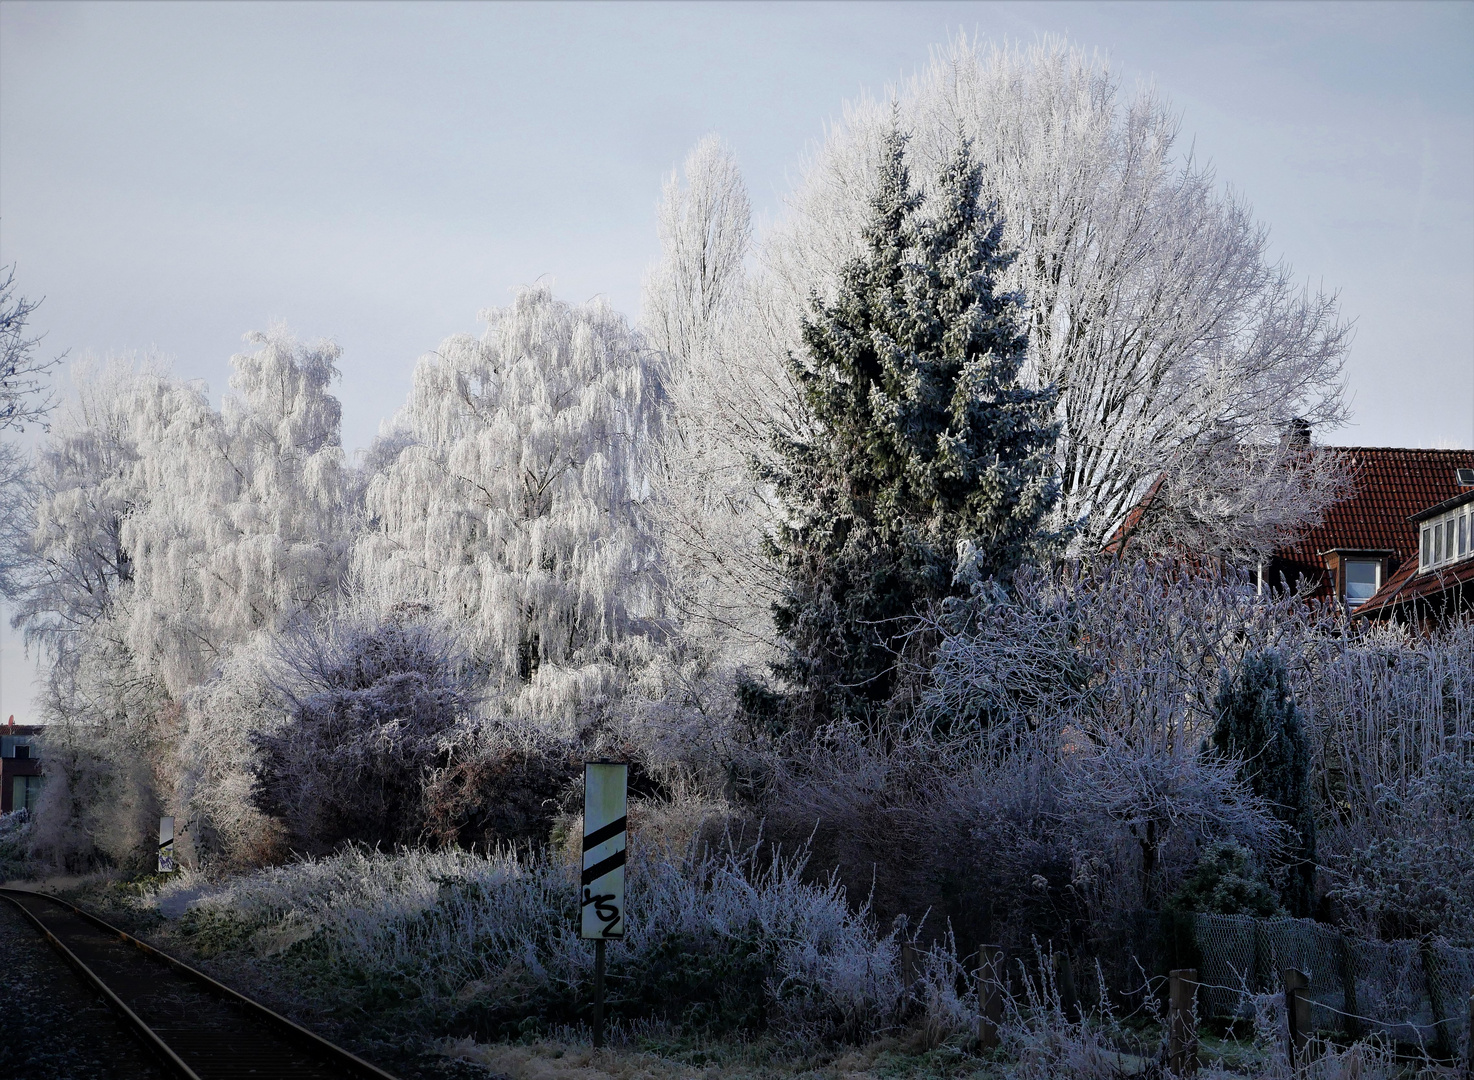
(188, 527)
(515, 507)
(167, 534)
(217, 760)
(243, 524)
(1154, 307)
(705, 229)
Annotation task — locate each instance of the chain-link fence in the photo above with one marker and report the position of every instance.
(1407, 991)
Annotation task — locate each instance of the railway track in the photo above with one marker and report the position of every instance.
(197, 1027)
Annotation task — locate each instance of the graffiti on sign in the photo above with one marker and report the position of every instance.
(605, 803)
(166, 845)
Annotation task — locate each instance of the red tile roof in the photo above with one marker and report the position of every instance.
(1407, 585)
(1390, 485)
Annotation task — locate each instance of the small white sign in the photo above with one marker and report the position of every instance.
(166, 845)
(601, 892)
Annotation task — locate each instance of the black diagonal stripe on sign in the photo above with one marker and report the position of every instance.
(605, 832)
(599, 869)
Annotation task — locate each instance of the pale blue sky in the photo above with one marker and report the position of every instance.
(174, 175)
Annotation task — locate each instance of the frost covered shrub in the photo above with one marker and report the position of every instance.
(1259, 725)
(217, 759)
(372, 705)
(1226, 881)
(493, 795)
(15, 845)
(1418, 877)
(1053, 782)
(487, 943)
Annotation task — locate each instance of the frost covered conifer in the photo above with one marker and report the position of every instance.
(1155, 306)
(515, 505)
(921, 441)
(1259, 724)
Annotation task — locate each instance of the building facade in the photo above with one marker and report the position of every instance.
(20, 767)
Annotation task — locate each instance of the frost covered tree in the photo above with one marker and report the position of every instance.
(244, 524)
(192, 528)
(1259, 725)
(920, 439)
(705, 230)
(515, 504)
(167, 534)
(22, 401)
(1236, 501)
(1155, 308)
(707, 504)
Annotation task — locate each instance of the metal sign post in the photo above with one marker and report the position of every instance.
(601, 888)
(166, 845)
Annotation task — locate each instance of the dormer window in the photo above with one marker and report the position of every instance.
(1447, 536)
(1356, 573)
(1363, 578)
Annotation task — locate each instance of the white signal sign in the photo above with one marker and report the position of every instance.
(605, 804)
(166, 845)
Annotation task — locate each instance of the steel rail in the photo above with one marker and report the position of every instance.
(151, 1037)
(334, 1053)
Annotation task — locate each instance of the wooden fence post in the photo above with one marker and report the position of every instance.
(1297, 1014)
(1443, 1043)
(1064, 982)
(990, 994)
(1182, 1035)
(910, 967)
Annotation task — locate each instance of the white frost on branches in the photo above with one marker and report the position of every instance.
(722, 397)
(1154, 306)
(517, 505)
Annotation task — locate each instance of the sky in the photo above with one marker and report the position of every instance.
(173, 176)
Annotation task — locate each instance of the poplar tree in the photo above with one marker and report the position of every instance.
(1259, 724)
(920, 442)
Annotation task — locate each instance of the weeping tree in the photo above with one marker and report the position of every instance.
(920, 449)
(1259, 724)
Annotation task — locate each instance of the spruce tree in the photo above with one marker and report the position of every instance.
(920, 438)
(1259, 724)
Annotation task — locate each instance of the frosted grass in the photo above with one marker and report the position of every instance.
(454, 931)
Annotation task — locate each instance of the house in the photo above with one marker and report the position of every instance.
(1369, 544)
(20, 767)
(1373, 535)
(1439, 582)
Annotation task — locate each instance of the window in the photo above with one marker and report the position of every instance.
(1427, 559)
(22, 752)
(25, 792)
(1463, 536)
(1438, 542)
(1363, 576)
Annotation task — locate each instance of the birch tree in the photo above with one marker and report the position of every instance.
(1155, 307)
(167, 534)
(516, 507)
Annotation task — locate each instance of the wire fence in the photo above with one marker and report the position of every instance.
(1406, 991)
